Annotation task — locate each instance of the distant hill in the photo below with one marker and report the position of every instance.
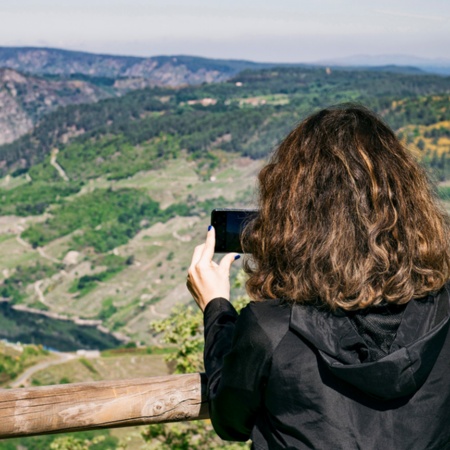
(160, 70)
(431, 65)
(132, 72)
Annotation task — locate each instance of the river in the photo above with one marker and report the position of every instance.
(61, 335)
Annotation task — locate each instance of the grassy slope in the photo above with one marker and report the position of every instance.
(15, 358)
(119, 367)
(154, 280)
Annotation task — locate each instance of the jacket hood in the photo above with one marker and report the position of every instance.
(402, 371)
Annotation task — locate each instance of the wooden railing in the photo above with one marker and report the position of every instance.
(102, 404)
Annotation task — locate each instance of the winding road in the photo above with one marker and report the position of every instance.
(25, 376)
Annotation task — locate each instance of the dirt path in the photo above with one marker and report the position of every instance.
(156, 313)
(38, 283)
(186, 238)
(40, 250)
(23, 379)
(59, 169)
(22, 242)
(37, 289)
(44, 255)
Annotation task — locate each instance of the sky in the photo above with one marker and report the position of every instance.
(257, 30)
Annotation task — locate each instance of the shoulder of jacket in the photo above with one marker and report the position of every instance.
(271, 316)
(271, 306)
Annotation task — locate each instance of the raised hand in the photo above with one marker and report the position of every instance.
(206, 279)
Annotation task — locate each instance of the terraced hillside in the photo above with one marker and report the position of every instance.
(102, 204)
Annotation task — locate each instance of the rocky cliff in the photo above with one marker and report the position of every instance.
(25, 99)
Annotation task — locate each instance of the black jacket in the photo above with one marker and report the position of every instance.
(300, 378)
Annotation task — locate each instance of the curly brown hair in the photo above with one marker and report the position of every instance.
(347, 217)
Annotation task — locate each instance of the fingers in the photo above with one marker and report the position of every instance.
(197, 254)
(208, 250)
(227, 260)
(204, 253)
(206, 279)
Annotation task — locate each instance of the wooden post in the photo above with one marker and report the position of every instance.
(101, 404)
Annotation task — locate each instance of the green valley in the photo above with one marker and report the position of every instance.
(103, 203)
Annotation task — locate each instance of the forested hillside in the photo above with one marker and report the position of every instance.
(102, 203)
(265, 102)
(36, 81)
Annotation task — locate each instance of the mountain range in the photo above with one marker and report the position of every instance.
(176, 70)
(160, 70)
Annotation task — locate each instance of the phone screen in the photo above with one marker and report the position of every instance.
(229, 224)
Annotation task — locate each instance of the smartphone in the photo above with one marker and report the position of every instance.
(229, 224)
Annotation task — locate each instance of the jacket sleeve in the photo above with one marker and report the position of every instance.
(237, 362)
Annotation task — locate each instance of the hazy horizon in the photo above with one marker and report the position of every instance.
(262, 31)
(357, 59)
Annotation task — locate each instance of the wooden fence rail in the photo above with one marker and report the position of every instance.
(101, 404)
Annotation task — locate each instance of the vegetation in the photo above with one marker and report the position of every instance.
(182, 329)
(197, 435)
(83, 440)
(439, 168)
(83, 285)
(86, 363)
(107, 219)
(111, 150)
(14, 361)
(118, 137)
(35, 198)
(112, 141)
(423, 109)
(113, 156)
(108, 309)
(13, 287)
(438, 133)
(245, 118)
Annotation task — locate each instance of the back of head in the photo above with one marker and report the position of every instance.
(347, 217)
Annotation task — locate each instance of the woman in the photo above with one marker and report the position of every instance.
(346, 344)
